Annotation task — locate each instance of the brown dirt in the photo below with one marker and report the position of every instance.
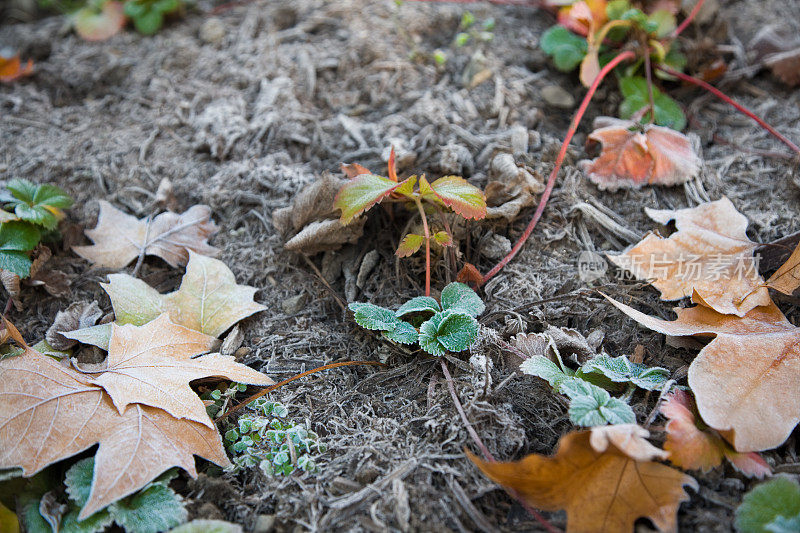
(296, 87)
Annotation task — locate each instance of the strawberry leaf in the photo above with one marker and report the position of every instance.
(566, 48)
(409, 245)
(634, 91)
(459, 298)
(621, 370)
(460, 196)
(448, 331)
(765, 503)
(544, 368)
(38, 204)
(443, 238)
(361, 193)
(17, 239)
(418, 305)
(592, 406)
(373, 317)
(404, 333)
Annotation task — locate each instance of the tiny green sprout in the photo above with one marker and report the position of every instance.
(470, 30)
(438, 327)
(265, 439)
(439, 57)
(365, 190)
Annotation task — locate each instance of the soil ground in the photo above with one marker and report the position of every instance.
(244, 118)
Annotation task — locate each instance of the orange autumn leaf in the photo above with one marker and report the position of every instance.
(49, 412)
(709, 258)
(787, 278)
(745, 379)
(583, 17)
(11, 68)
(634, 155)
(604, 478)
(354, 169)
(694, 446)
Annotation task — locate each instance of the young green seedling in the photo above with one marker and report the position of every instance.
(366, 189)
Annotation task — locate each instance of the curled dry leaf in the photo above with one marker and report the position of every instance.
(779, 49)
(709, 258)
(311, 224)
(49, 412)
(787, 278)
(511, 189)
(153, 365)
(77, 316)
(694, 446)
(603, 491)
(745, 380)
(634, 155)
(54, 282)
(120, 238)
(11, 68)
(630, 439)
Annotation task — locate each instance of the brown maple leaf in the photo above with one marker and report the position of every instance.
(120, 238)
(694, 446)
(709, 258)
(787, 278)
(49, 412)
(634, 155)
(603, 487)
(153, 365)
(745, 380)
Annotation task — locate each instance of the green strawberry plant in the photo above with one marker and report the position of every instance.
(366, 189)
(148, 15)
(438, 327)
(31, 213)
(771, 507)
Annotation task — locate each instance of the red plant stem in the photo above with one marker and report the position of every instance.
(485, 451)
(624, 56)
(648, 70)
(427, 247)
(727, 99)
(271, 388)
(688, 20)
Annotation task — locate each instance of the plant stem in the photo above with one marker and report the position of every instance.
(427, 246)
(485, 451)
(727, 99)
(624, 56)
(271, 388)
(688, 20)
(648, 71)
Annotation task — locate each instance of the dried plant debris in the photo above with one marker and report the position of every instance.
(78, 315)
(511, 188)
(778, 48)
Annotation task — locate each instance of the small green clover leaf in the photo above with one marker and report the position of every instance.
(566, 48)
(448, 331)
(592, 406)
(418, 304)
(762, 506)
(38, 204)
(459, 298)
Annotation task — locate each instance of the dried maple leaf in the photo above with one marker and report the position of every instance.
(208, 301)
(153, 365)
(11, 68)
(745, 380)
(787, 278)
(634, 155)
(49, 412)
(602, 490)
(694, 446)
(709, 258)
(120, 238)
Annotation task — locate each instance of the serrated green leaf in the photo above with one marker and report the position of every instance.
(783, 524)
(361, 193)
(409, 245)
(207, 526)
(406, 187)
(19, 236)
(566, 48)
(99, 521)
(38, 204)
(17, 262)
(460, 196)
(154, 509)
(374, 317)
(448, 331)
(78, 481)
(418, 304)
(621, 370)
(443, 238)
(404, 333)
(458, 297)
(592, 406)
(542, 367)
(777, 497)
(634, 90)
(29, 516)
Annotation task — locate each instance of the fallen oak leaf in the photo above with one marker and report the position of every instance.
(208, 300)
(49, 412)
(694, 446)
(153, 365)
(634, 155)
(787, 278)
(11, 68)
(602, 490)
(745, 379)
(120, 238)
(709, 258)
